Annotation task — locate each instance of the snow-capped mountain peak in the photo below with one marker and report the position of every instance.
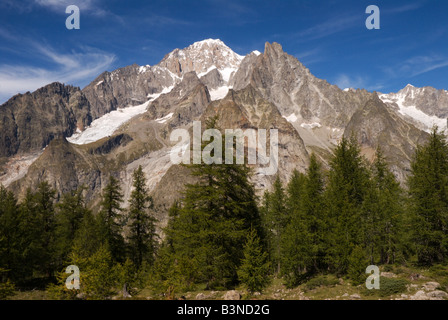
(200, 57)
(425, 107)
(204, 57)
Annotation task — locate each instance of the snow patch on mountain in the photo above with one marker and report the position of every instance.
(311, 125)
(219, 93)
(425, 121)
(227, 73)
(165, 118)
(200, 75)
(106, 125)
(154, 96)
(17, 167)
(291, 118)
(143, 69)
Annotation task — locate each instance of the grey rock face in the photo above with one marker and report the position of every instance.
(126, 86)
(272, 90)
(65, 167)
(213, 79)
(284, 81)
(247, 109)
(187, 101)
(28, 122)
(375, 125)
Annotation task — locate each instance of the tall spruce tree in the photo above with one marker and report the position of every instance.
(70, 212)
(10, 237)
(428, 191)
(213, 219)
(39, 222)
(295, 246)
(349, 178)
(382, 214)
(142, 232)
(253, 272)
(111, 220)
(305, 242)
(276, 220)
(87, 237)
(315, 217)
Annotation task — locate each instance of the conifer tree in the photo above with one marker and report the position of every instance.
(349, 178)
(111, 219)
(277, 218)
(254, 269)
(10, 236)
(87, 238)
(295, 244)
(357, 264)
(315, 217)
(428, 191)
(70, 212)
(382, 214)
(305, 241)
(142, 235)
(43, 228)
(211, 223)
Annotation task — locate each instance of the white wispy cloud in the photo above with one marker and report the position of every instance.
(310, 56)
(70, 68)
(92, 7)
(330, 27)
(417, 65)
(404, 8)
(344, 81)
(60, 5)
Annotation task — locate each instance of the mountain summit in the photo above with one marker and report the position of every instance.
(202, 57)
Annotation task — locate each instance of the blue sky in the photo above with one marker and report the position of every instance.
(328, 37)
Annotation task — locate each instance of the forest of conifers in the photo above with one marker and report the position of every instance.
(219, 235)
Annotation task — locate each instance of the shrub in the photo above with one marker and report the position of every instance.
(388, 287)
(388, 268)
(6, 290)
(321, 281)
(438, 271)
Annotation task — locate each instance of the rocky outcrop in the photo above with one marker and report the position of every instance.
(375, 125)
(111, 143)
(429, 291)
(247, 109)
(232, 295)
(65, 167)
(187, 101)
(429, 100)
(30, 121)
(131, 85)
(213, 79)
